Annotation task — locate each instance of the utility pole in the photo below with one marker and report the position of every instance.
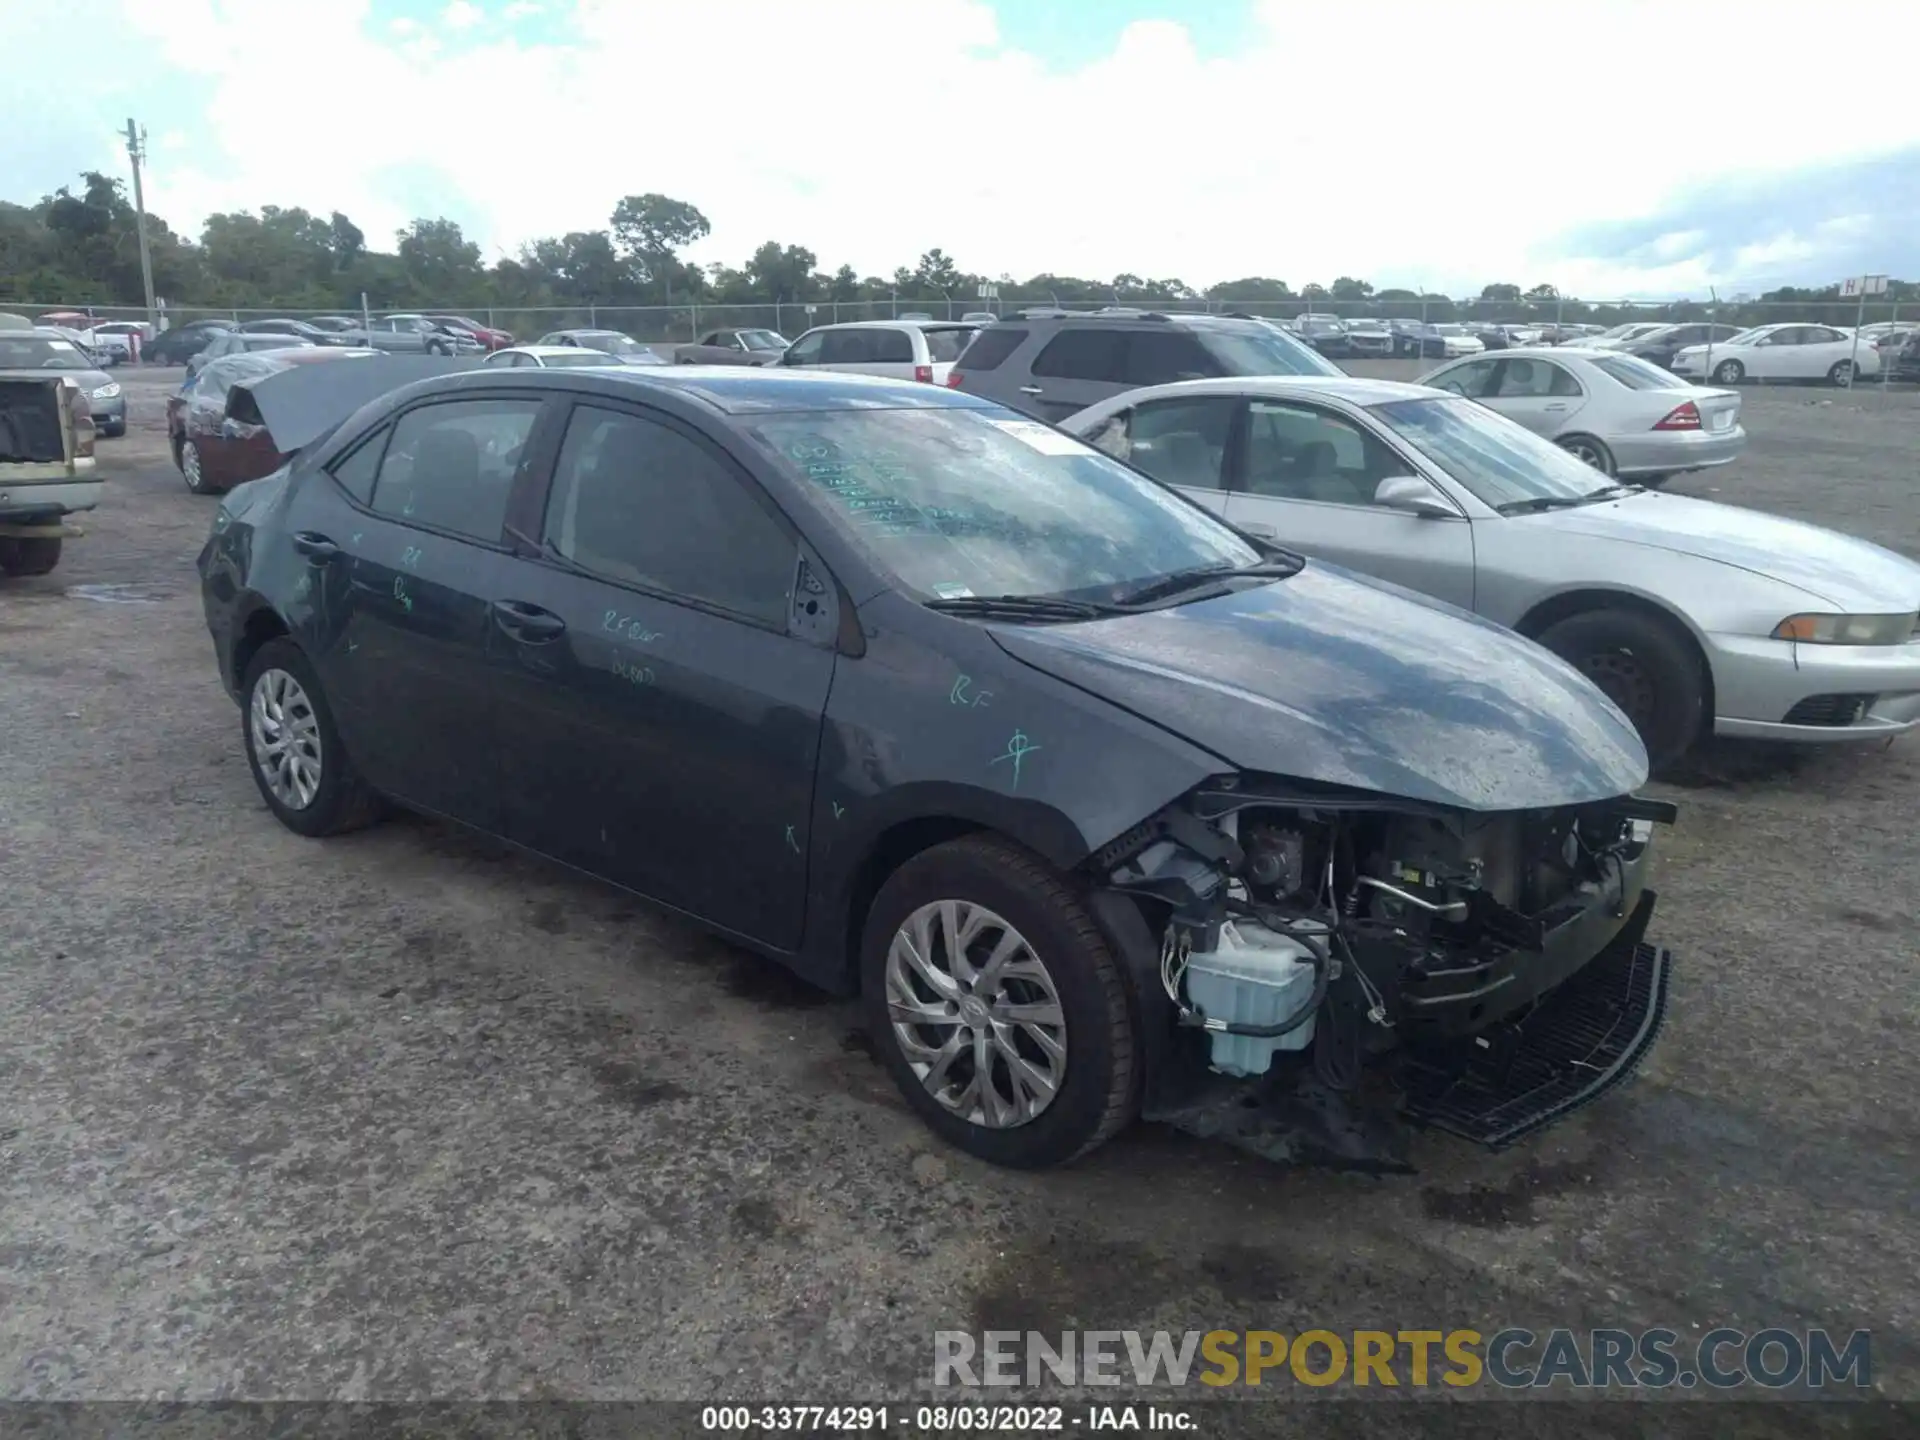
(137, 152)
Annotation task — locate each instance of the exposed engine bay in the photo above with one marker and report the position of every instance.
(1304, 936)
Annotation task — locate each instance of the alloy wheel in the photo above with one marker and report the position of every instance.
(286, 738)
(976, 1014)
(190, 466)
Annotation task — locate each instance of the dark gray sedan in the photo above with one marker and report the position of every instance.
(1104, 809)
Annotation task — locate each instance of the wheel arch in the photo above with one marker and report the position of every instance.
(262, 625)
(1568, 603)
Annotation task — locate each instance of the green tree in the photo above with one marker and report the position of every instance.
(347, 241)
(1500, 292)
(780, 272)
(1348, 288)
(440, 262)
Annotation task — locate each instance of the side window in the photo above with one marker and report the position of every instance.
(890, 347)
(989, 347)
(716, 338)
(1820, 335)
(355, 470)
(451, 465)
(844, 347)
(1562, 382)
(1529, 380)
(1182, 442)
(1470, 380)
(733, 341)
(806, 350)
(1160, 357)
(640, 503)
(1299, 452)
(1087, 354)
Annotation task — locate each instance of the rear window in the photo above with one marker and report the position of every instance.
(1257, 349)
(1634, 373)
(944, 345)
(989, 347)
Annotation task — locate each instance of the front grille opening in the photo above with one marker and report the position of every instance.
(1831, 710)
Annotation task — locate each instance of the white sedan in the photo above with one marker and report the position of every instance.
(1790, 350)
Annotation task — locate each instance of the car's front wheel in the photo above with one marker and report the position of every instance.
(997, 1006)
(1641, 664)
(294, 750)
(1729, 372)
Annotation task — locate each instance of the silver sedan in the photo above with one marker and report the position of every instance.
(1691, 616)
(1619, 413)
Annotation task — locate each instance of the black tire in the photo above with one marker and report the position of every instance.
(1587, 448)
(1645, 667)
(1841, 374)
(115, 430)
(1096, 1098)
(341, 801)
(435, 348)
(1729, 372)
(23, 555)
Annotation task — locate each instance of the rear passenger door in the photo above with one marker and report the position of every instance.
(1539, 394)
(660, 699)
(403, 544)
(1075, 369)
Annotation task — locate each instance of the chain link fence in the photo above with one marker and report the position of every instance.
(662, 324)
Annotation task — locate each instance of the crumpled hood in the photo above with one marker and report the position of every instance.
(1333, 677)
(1855, 576)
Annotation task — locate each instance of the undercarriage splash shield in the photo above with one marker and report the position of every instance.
(1581, 1040)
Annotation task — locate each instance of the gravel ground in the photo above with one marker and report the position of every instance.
(403, 1116)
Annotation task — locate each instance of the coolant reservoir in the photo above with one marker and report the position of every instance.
(1257, 976)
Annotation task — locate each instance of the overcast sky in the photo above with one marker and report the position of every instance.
(1609, 147)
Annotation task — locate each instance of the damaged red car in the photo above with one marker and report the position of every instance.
(218, 437)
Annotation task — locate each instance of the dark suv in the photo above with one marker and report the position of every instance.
(1052, 363)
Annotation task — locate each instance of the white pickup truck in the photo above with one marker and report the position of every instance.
(47, 469)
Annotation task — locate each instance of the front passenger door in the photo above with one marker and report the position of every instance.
(659, 712)
(1183, 442)
(1307, 477)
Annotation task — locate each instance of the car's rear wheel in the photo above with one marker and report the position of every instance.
(23, 555)
(1640, 664)
(192, 471)
(997, 1006)
(294, 750)
(1729, 372)
(1592, 451)
(1841, 374)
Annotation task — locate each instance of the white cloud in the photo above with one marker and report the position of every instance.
(461, 15)
(1358, 139)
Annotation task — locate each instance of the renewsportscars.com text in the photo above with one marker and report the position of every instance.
(1513, 1358)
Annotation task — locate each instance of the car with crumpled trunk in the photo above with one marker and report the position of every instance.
(216, 432)
(47, 472)
(1105, 808)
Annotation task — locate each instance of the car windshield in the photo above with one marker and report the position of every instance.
(1500, 462)
(611, 344)
(1747, 337)
(1633, 372)
(1255, 349)
(763, 340)
(966, 502)
(1449, 329)
(565, 358)
(40, 352)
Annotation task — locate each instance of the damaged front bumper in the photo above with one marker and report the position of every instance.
(1334, 971)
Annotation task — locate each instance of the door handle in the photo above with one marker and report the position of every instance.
(1030, 390)
(1552, 408)
(527, 622)
(317, 548)
(1264, 531)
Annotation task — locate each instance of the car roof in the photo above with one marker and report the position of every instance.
(540, 350)
(584, 330)
(738, 390)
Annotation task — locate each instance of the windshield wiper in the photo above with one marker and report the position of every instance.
(1563, 502)
(1277, 567)
(1020, 607)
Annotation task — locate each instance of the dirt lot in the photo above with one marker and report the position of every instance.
(400, 1116)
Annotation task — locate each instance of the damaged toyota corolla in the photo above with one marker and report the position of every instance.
(1106, 809)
